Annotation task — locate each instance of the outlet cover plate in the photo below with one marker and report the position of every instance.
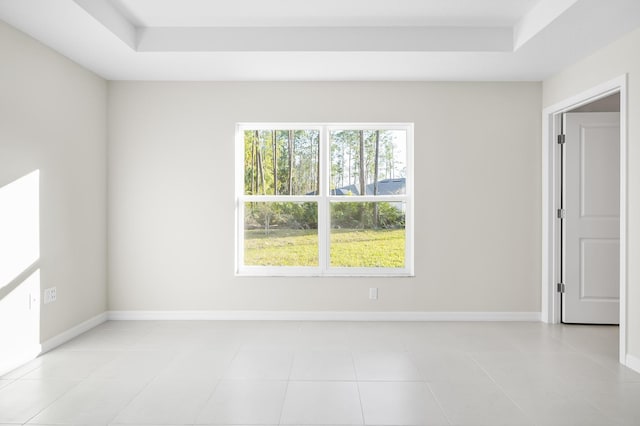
(50, 295)
(373, 293)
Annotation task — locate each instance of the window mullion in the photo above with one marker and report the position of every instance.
(323, 207)
(369, 199)
(278, 198)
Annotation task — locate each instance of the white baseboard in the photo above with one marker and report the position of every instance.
(633, 363)
(73, 332)
(323, 316)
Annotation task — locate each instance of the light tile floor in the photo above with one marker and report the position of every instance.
(327, 373)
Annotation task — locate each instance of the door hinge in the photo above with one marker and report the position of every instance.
(561, 288)
(560, 213)
(562, 139)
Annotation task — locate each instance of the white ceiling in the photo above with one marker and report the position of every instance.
(462, 40)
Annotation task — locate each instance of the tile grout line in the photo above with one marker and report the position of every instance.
(502, 390)
(26, 372)
(205, 403)
(435, 398)
(235, 355)
(147, 384)
(286, 388)
(355, 372)
(77, 383)
(412, 357)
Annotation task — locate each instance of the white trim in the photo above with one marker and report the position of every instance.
(550, 304)
(623, 220)
(410, 202)
(73, 332)
(633, 362)
(321, 316)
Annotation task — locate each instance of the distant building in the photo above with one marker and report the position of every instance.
(385, 187)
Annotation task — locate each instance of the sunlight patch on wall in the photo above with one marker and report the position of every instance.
(19, 226)
(19, 271)
(20, 324)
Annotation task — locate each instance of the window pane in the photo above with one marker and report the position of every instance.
(281, 234)
(368, 162)
(281, 162)
(368, 234)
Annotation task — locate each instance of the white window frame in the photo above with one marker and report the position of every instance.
(324, 199)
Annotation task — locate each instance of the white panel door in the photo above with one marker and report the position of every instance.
(592, 218)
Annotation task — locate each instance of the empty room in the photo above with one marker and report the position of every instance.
(304, 212)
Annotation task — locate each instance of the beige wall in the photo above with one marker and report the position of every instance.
(614, 60)
(53, 118)
(170, 167)
(477, 197)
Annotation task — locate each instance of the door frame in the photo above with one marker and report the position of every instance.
(551, 238)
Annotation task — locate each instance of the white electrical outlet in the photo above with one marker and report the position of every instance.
(50, 295)
(373, 293)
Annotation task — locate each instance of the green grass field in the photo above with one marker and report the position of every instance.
(349, 247)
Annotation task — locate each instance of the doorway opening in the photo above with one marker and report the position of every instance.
(590, 213)
(612, 96)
